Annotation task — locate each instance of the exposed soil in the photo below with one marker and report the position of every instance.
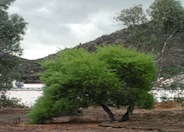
(167, 119)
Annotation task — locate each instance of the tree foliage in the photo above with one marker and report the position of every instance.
(12, 29)
(168, 19)
(155, 30)
(132, 16)
(111, 76)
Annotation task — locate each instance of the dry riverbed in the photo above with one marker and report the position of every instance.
(166, 117)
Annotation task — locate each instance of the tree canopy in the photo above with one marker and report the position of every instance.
(12, 29)
(111, 76)
(156, 30)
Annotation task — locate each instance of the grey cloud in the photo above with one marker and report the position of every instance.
(66, 23)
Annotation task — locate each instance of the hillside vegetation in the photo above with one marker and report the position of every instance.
(32, 67)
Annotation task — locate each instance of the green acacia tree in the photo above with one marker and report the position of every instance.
(136, 70)
(12, 29)
(155, 30)
(111, 76)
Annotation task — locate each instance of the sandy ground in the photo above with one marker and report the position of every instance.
(167, 119)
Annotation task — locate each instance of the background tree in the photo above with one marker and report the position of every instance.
(168, 22)
(156, 30)
(112, 76)
(137, 22)
(12, 29)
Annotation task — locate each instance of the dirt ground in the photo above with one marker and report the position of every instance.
(164, 118)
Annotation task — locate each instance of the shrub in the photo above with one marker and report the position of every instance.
(110, 76)
(10, 102)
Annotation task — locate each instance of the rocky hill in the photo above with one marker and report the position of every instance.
(32, 67)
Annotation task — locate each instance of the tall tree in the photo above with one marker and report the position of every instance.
(167, 18)
(12, 29)
(156, 29)
(136, 20)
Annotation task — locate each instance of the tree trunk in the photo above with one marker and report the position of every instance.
(108, 111)
(126, 116)
(164, 48)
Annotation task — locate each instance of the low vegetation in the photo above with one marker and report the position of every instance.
(7, 102)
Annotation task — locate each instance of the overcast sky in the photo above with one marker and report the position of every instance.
(57, 24)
